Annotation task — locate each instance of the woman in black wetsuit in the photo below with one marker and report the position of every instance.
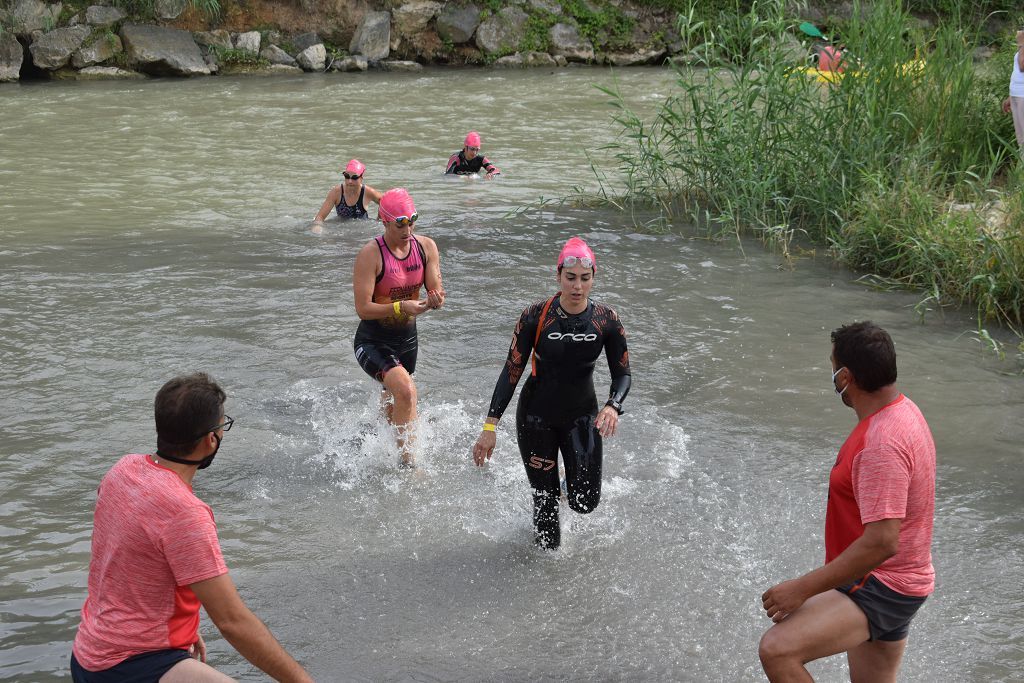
(558, 407)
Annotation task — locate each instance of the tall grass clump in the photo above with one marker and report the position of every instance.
(753, 141)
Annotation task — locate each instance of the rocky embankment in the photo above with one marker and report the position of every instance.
(52, 40)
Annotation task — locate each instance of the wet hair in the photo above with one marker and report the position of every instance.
(867, 351)
(186, 409)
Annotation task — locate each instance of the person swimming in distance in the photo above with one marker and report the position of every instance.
(469, 160)
(349, 198)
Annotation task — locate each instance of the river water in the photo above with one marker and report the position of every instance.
(154, 228)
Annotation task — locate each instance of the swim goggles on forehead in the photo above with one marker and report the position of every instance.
(570, 261)
(404, 220)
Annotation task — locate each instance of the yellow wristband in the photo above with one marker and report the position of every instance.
(490, 427)
(398, 308)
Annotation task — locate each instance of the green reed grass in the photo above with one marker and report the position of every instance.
(868, 166)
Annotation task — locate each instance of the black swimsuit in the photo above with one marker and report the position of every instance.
(357, 210)
(557, 406)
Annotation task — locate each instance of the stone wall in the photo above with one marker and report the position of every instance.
(41, 39)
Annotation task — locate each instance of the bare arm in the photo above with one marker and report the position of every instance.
(364, 277)
(879, 542)
(333, 197)
(245, 631)
(372, 194)
(432, 278)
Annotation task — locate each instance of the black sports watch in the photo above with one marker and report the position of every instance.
(615, 404)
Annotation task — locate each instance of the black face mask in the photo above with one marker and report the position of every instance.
(200, 464)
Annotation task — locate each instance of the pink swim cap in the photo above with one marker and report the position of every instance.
(579, 249)
(355, 166)
(394, 203)
(472, 139)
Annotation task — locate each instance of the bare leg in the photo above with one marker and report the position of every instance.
(399, 384)
(194, 671)
(876, 661)
(387, 405)
(825, 625)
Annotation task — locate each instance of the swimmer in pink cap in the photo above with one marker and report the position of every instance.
(389, 273)
(470, 161)
(558, 409)
(349, 198)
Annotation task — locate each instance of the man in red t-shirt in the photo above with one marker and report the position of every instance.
(156, 559)
(878, 529)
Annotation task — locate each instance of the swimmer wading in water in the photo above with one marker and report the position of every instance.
(558, 410)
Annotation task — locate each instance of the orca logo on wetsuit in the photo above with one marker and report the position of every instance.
(558, 336)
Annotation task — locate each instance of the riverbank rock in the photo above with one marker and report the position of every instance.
(458, 23)
(219, 39)
(27, 16)
(163, 51)
(551, 6)
(373, 36)
(11, 57)
(102, 17)
(102, 49)
(313, 58)
(526, 60)
(107, 73)
(248, 41)
(401, 65)
(305, 40)
(412, 18)
(351, 63)
(567, 42)
(275, 55)
(502, 32)
(283, 70)
(52, 50)
(639, 58)
(170, 9)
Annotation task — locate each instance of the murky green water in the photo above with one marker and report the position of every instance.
(153, 228)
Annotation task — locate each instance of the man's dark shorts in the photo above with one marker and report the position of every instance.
(145, 668)
(889, 613)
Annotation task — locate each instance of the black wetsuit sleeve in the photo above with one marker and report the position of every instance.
(453, 163)
(618, 361)
(518, 355)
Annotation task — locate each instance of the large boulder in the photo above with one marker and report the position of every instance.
(102, 17)
(27, 16)
(163, 51)
(502, 32)
(351, 63)
(11, 57)
(313, 58)
(170, 9)
(373, 36)
(304, 40)
(248, 41)
(100, 51)
(565, 40)
(411, 18)
(219, 39)
(458, 23)
(538, 59)
(275, 55)
(52, 50)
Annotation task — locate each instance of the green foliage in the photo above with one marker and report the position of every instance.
(603, 24)
(536, 37)
(868, 164)
(230, 56)
(210, 8)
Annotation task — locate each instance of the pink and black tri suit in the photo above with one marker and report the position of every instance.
(381, 345)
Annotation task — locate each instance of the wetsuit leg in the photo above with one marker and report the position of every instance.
(582, 454)
(538, 445)
(376, 357)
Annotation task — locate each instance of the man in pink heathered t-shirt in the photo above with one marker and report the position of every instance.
(156, 559)
(878, 529)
